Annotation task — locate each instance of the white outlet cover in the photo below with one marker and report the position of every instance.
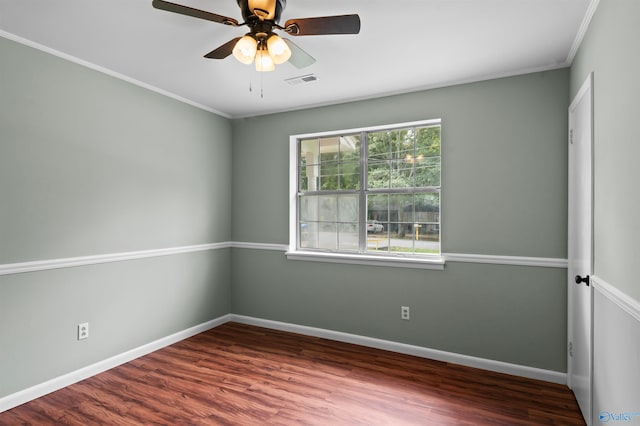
(404, 312)
(83, 331)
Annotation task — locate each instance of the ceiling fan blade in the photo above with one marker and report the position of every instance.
(196, 13)
(224, 50)
(299, 58)
(341, 24)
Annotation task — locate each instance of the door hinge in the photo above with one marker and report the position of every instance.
(571, 136)
(571, 349)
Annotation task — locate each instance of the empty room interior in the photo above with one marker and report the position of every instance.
(151, 197)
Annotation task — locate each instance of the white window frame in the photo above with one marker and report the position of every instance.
(388, 259)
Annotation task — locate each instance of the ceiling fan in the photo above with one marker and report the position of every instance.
(261, 45)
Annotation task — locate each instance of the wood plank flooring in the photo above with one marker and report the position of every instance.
(242, 375)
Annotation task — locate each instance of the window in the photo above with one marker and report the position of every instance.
(367, 192)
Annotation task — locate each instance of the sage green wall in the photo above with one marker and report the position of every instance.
(90, 165)
(93, 165)
(504, 193)
(610, 51)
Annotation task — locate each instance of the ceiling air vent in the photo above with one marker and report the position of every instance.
(294, 81)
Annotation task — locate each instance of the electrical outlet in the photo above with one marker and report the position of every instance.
(83, 331)
(404, 313)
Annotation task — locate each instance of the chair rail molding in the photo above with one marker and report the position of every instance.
(622, 300)
(69, 262)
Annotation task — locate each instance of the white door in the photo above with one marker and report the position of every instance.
(579, 360)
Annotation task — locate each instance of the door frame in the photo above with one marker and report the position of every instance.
(585, 89)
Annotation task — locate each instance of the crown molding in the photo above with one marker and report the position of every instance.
(582, 31)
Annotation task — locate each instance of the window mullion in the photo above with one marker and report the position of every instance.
(362, 203)
(298, 190)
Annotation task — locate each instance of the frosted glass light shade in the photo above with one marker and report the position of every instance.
(278, 49)
(245, 49)
(264, 61)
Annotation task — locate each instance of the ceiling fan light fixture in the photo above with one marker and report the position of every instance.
(245, 49)
(261, 45)
(278, 49)
(264, 61)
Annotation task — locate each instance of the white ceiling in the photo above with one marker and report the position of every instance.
(404, 45)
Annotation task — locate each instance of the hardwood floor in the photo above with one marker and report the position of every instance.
(242, 375)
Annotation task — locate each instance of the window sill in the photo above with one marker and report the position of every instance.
(431, 262)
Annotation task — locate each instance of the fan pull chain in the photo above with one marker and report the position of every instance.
(261, 88)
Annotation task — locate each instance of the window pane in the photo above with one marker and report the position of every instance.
(349, 175)
(328, 208)
(378, 243)
(402, 174)
(329, 154)
(378, 207)
(402, 204)
(328, 236)
(329, 175)
(348, 236)
(379, 146)
(308, 165)
(379, 176)
(427, 215)
(378, 222)
(309, 235)
(329, 147)
(303, 181)
(400, 237)
(348, 208)
(428, 141)
(402, 145)
(401, 226)
(427, 202)
(310, 149)
(416, 228)
(330, 164)
(350, 148)
(428, 172)
(308, 208)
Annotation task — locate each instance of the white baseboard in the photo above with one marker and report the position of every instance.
(469, 361)
(52, 385)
